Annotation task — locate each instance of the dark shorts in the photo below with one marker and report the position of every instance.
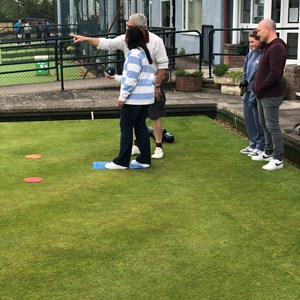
(157, 109)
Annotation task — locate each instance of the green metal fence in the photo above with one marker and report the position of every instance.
(22, 56)
(49, 53)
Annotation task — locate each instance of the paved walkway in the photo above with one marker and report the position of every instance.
(100, 93)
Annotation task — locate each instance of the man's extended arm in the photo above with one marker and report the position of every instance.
(90, 40)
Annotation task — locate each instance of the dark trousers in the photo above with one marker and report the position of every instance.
(133, 116)
(27, 38)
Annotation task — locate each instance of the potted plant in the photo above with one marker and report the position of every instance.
(220, 70)
(188, 82)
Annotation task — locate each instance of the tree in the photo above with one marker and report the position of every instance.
(15, 9)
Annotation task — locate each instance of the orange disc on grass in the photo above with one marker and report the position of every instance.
(33, 156)
(81, 74)
(33, 179)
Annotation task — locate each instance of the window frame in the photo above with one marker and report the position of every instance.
(185, 16)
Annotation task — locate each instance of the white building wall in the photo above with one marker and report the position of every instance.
(213, 14)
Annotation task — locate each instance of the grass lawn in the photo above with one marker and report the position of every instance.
(31, 76)
(205, 222)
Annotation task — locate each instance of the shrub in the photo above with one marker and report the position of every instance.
(234, 74)
(220, 70)
(197, 73)
(179, 73)
(183, 73)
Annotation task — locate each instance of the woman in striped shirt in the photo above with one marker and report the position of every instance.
(136, 95)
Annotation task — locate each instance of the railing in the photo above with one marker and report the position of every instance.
(60, 60)
(171, 51)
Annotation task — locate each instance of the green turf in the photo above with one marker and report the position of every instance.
(205, 222)
(32, 77)
(23, 54)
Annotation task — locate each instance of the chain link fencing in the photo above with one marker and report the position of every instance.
(43, 51)
(47, 53)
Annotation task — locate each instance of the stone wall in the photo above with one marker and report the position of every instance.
(235, 61)
(292, 74)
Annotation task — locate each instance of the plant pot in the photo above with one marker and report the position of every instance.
(226, 80)
(229, 86)
(188, 84)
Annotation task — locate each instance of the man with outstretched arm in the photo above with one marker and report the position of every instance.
(160, 63)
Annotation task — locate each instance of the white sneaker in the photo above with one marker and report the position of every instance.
(255, 152)
(247, 150)
(136, 163)
(113, 166)
(273, 164)
(135, 150)
(262, 156)
(158, 153)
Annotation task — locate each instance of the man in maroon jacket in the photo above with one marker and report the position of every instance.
(269, 91)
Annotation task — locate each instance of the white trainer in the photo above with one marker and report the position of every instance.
(262, 156)
(135, 150)
(158, 153)
(273, 164)
(255, 152)
(136, 163)
(247, 150)
(113, 166)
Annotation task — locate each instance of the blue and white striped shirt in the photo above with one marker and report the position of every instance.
(137, 86)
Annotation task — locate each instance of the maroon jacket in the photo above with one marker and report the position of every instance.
(268, 77)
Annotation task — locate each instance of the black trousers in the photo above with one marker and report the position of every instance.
(134, 116)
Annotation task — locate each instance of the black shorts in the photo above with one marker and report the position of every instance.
(157, 109)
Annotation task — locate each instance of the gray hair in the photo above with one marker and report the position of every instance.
(138, 19)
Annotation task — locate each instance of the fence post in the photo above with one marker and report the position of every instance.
(61, 66)
(56, 59)
(210, 44)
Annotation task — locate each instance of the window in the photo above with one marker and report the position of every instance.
(246, 4)
(165, 13)
(293, 11)
(252, 11)
(292, 42)
(146, 8)
(276, 7)
(192, 14)
(258, 11)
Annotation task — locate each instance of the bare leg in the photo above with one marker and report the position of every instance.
(135, 149)
(157, 132)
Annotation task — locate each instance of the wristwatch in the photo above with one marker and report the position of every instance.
(157, 86)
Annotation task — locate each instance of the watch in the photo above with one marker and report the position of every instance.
(157, 86)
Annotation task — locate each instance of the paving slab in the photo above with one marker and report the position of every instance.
(101, 93)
